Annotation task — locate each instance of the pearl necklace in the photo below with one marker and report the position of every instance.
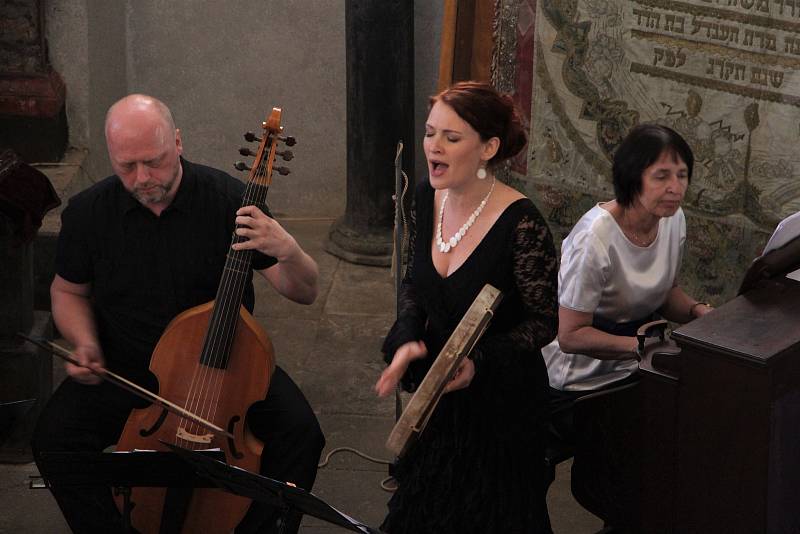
(445, 246)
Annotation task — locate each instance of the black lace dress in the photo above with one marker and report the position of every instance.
(478, 466)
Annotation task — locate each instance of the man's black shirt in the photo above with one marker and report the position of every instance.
(146, 269)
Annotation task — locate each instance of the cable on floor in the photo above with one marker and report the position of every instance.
(387, 484)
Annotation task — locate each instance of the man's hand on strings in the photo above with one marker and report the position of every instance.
(90, 357)
(462, 377)
(264, 234)
(296, 274)
(405, 354)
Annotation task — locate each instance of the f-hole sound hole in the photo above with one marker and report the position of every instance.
(153, 429)
(231, 445)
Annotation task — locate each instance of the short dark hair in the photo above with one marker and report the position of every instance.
(642, 147)
(490, 113)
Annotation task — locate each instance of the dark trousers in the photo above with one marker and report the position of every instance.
(91, 418)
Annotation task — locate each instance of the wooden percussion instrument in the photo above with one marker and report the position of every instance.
(459, 345)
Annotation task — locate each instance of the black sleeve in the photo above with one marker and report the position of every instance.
(73, 257)
(535, 267)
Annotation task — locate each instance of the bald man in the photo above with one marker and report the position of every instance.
(134, 251)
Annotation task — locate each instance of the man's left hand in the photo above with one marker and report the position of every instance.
(264, 234)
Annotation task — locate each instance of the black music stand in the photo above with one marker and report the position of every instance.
(10, 413)
(260, 488)
(125, 470)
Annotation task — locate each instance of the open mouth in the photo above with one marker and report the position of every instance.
(438, 168)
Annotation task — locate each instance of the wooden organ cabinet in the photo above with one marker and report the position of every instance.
(708, 441)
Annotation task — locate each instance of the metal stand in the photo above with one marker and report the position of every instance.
(259, 488)
(127, 506)
(124, 471)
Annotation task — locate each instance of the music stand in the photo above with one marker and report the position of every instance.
(781, 256)
(11, 412)
(260, 488)
(126, 470)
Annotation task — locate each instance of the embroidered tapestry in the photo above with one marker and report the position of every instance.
(723, 73)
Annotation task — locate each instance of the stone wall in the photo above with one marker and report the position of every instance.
(221, 67)
(21, 44)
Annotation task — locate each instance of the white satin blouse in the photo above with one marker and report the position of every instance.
(605, 274)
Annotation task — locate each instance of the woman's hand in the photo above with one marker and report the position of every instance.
(463, 376)
(90, 357)
(700, 309)
(405, 354)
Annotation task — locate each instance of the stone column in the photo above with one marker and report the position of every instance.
(380, 112)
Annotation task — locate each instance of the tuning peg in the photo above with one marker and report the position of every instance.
(283, 171)
(285, 154)
(250, 137)
(244, 151)
(289, 140)
(241, 166)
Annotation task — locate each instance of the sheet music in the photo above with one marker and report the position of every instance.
(787, 229)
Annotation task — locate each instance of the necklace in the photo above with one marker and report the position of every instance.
(644, 240)
(445, 246)
(641, 241)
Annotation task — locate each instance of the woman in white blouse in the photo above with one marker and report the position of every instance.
(619, 267)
